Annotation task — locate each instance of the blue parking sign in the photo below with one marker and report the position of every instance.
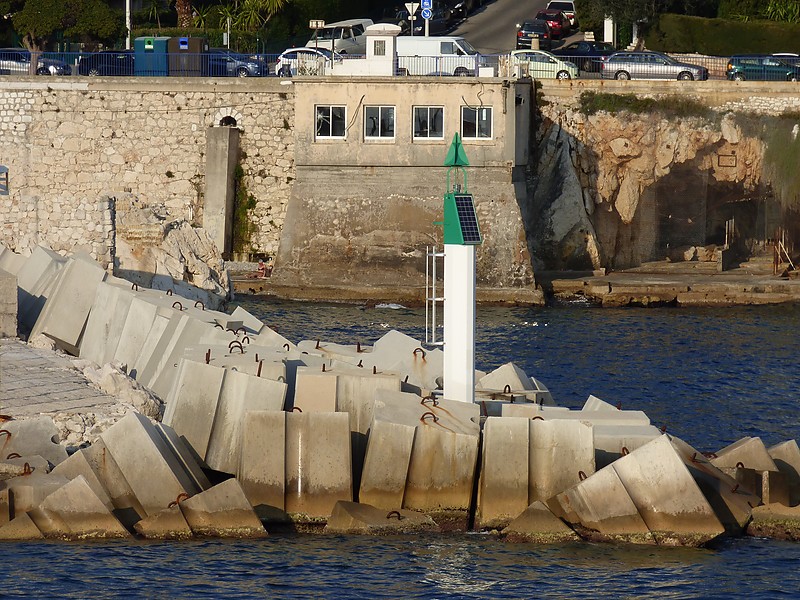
(427, 4)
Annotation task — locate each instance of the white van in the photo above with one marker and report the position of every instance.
(344, 37)
(443, 55)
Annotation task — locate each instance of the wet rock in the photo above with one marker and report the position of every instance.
(355, 518)
(75, 512)
(21, 528)
(168, 524)
(222, 511)
(539, 525)
(775, 521)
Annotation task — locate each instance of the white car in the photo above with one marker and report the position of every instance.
(543, 65)
(305, 61)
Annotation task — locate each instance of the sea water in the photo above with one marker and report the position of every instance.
(711, 376)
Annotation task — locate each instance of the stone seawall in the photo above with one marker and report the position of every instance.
(68, 144)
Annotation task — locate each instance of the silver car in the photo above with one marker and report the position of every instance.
(17, 61)
(649, 65)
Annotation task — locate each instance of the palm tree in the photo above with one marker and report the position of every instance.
(184, 9)
(154, 11)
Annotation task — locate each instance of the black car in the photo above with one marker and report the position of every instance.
(534, 30)
(225, 63)
(589, 56)
(107, 62)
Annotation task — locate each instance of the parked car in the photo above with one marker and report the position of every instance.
(558, 22)
(761, 67)
(107, 62)
(534, 30)
(343, 37)
(568, 8)
(649, 65)
(589, 56)
(543, 65)
(305, 61)
(17, 61)
(788, 57)
(225, 63)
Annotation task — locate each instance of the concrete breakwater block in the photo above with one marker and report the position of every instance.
(20, 528)
(5, 507)
(127, 507)
(76, 466)
(355, 518)
(10, 261)
(106, 322)
(749, 451)
(262, 463)
(222, 511)
(503, 485)
(36, 278)
(786, 456)
(147, 464)
(770, 486)
(731, 502)
(613, 441)
(32, 437)
(775, 521)
(8, 305)
(539, 525)
(66, 310)
(74, 512)
(251, 323)
(29, 491)
(560, 452)
(185, 455)
(387, 456)
(168, 524)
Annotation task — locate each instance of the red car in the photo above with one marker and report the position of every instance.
(557, 20)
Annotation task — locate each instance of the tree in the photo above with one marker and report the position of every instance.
(184, 8)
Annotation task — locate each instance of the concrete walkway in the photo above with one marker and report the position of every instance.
(38, 381)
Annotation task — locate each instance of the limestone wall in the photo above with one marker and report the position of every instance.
(68, 144)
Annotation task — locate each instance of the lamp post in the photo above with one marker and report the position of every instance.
(128, 24)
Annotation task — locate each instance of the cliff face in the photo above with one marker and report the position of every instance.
(616, 190)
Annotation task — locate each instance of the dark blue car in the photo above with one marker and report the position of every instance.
(107, 62)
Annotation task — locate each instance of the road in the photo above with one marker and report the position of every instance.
(493, 29)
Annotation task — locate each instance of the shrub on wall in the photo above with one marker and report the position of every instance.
(722, 37)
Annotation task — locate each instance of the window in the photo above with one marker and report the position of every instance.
(380, 48)
(331, 122)
(379, 122)
(476, 123)
(428, 122)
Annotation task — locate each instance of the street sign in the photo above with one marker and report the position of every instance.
(412, 7)
(427, 13)
(316, 24)
(427, 4)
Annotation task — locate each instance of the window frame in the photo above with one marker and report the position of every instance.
(477, 137)
(330, 108)
(380, 137)
(429, 137)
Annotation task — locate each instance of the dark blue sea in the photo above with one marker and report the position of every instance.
(711, 376)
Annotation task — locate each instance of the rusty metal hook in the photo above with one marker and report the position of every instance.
(135, 287)
(539, 417)
(360, 364)
(374, 369)
(242, 329)
(317, 345)
(181, 496)
(395, 513)
(169, 292)
(358, 347)
(220, 326)
(246, 339)
(6, 431)
(4, 418)
(740, 465)
(237, 344)
(427, 399)
(200, 302)
(13, 455)
(286, 346)
(624, 451)
(663, 429)
(581, 475)
(260, 364)
(177, 302)
(425, 415)
(323, 367)
(419, 350)
(27, 469)
(619, 405)
(208, 356)
(297, 409)
(507, 389)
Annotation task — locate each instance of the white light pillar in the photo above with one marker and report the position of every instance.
(128, 24)
(459, 322)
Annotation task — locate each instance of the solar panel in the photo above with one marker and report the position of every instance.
(467, 219)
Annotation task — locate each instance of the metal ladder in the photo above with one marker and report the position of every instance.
(434, 303)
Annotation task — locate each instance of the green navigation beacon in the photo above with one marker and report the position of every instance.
(460, 221)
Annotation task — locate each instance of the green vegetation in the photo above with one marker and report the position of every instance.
(594, 102)
(243, 203)
(722, 37)
(782, 155)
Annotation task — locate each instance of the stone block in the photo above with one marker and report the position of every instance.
(537, 524)
(21, 528)
(262, 463)
(774, 521)
(749, 451)
(318, 464)
(153, 473)
(387, 456)
(503, 485)
(33, 437)
(732, 503)
(667, 497)
(192, 404)
(78, 465)
(74, 512)
(127, 507)
(559, 452)
(167, 524)
(222, 511)
(240, 393)
(786, 456)
(354, 518)
(66, 310)
(599, 508)
(8, 305)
